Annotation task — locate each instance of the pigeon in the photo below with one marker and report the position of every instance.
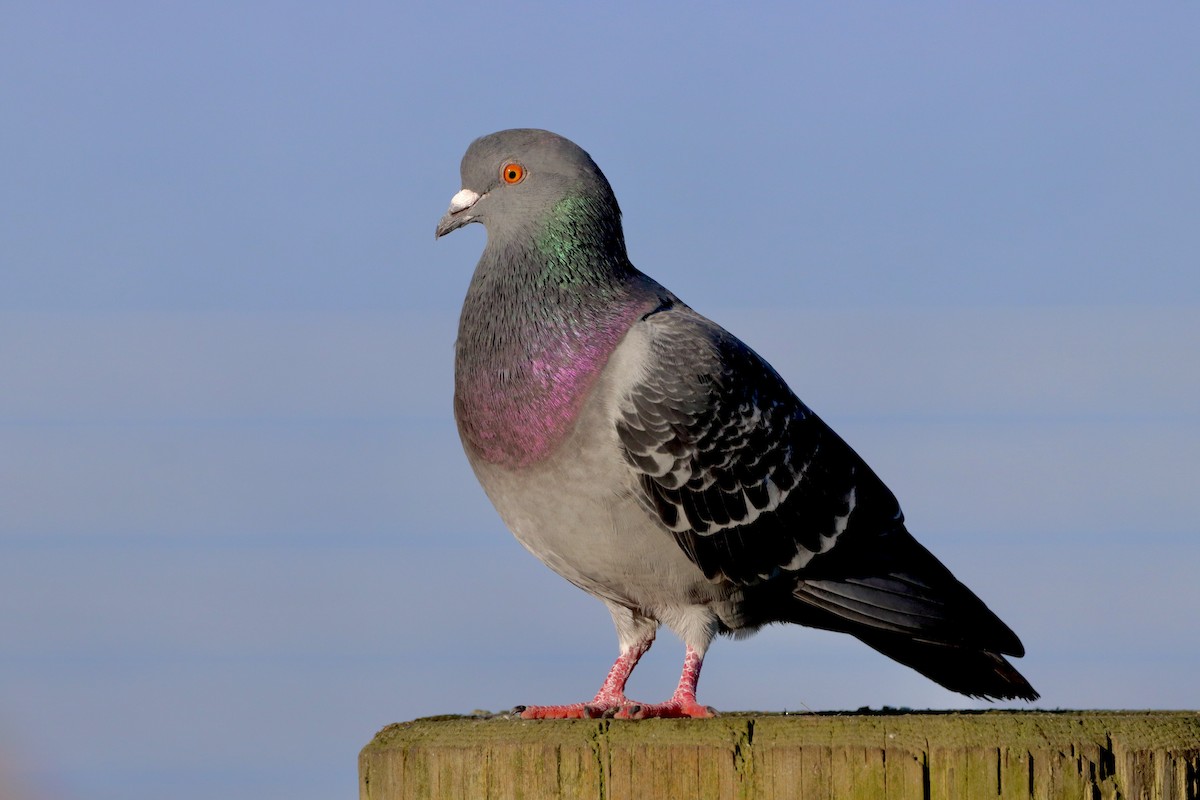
(654, 460)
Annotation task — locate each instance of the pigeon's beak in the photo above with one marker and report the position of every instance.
(456, 216)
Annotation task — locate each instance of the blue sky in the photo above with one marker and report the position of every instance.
(237, 532)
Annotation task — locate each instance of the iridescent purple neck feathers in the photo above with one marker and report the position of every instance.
(515, 409)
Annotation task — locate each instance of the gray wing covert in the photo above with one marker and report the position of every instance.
(750, 482)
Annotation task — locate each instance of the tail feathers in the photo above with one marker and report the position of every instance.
(944, 611)
(959, 663)
(894, 595)
(895, 585)
(899, 599)
(977, 673)
(945, 633)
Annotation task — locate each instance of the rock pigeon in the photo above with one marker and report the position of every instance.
(652, 459)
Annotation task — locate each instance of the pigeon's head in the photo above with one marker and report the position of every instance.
(513, 179)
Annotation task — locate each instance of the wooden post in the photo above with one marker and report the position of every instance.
(1092, 755)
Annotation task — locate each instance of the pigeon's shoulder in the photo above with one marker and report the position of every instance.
(748, 479)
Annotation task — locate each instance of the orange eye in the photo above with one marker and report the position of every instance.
(512, 173)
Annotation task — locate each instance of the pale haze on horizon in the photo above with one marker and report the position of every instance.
(237, 532)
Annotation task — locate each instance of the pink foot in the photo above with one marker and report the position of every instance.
(675, 708)
(591, 710)
(607, 702)
(682, 704)
(611, 701)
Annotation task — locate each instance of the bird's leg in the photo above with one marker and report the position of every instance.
(683, 702)
(611, 697)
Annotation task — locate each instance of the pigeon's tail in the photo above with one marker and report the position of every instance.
(977, 673)
(899, 599)
(967, 667)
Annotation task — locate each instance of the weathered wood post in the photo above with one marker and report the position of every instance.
(1099, 755)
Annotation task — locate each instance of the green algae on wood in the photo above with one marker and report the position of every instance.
(924, 756)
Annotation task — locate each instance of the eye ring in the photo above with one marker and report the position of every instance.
(512, 173)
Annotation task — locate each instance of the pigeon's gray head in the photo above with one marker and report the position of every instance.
(515, 179)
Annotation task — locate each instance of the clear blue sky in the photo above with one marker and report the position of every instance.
(237, 533)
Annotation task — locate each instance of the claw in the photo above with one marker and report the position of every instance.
(629, 711)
